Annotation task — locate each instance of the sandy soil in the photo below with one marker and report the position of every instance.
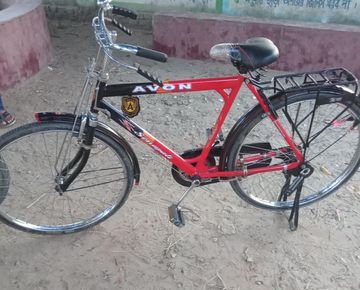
(226, 244)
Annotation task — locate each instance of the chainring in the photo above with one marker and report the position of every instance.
(184, 179)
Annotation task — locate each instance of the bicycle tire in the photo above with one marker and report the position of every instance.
(33, 205)
(4, 179)
(253, 189)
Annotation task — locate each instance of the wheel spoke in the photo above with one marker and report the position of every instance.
(332, 144)
(36, 200)
(94, 185)
(47, 156)
(317, 134)
(100, 177)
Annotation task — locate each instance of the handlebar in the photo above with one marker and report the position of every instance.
(105, 37)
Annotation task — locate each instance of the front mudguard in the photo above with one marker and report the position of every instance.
(105, 129)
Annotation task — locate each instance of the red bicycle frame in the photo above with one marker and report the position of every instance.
(228, 88)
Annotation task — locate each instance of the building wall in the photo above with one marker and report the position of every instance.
(147, 5)
(321, 11)
(182, 5)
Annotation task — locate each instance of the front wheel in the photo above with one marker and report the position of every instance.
(328, 119)
(34, 156)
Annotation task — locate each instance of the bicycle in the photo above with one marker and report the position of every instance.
(69, 171)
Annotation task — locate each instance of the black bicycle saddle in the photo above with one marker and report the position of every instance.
(254, 53)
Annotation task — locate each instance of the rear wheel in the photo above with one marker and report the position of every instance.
(334, 152)
(34, 155)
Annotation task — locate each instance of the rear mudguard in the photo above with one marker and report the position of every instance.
(103, 128)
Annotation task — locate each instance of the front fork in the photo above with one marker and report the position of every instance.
(86, 138)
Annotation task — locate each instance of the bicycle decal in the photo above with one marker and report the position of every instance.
(130, 106)
(167, 87)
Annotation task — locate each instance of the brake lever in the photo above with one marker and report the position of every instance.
(117, 24)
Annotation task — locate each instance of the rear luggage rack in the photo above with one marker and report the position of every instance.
(317, 79)
(312, 80)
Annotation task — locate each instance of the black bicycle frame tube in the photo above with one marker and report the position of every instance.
(134, 89)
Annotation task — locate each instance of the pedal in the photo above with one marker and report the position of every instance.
(176, 216)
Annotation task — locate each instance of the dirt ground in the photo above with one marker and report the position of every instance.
(226, 243)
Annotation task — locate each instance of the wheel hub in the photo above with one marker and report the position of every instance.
(305, 170)
(59, 180)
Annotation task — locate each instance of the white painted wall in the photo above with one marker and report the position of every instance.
(322, 11)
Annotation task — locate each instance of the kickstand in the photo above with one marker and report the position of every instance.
(296, 186)
(294, 215)
(284, 191)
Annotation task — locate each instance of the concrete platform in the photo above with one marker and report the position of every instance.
(303, 46)
(25, 45)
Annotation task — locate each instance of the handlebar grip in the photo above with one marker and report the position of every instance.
(151, 54)
(124, 12)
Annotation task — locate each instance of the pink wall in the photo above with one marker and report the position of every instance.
(24, 44)
(303, 46)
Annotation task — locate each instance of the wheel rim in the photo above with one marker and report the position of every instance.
(32, 202)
